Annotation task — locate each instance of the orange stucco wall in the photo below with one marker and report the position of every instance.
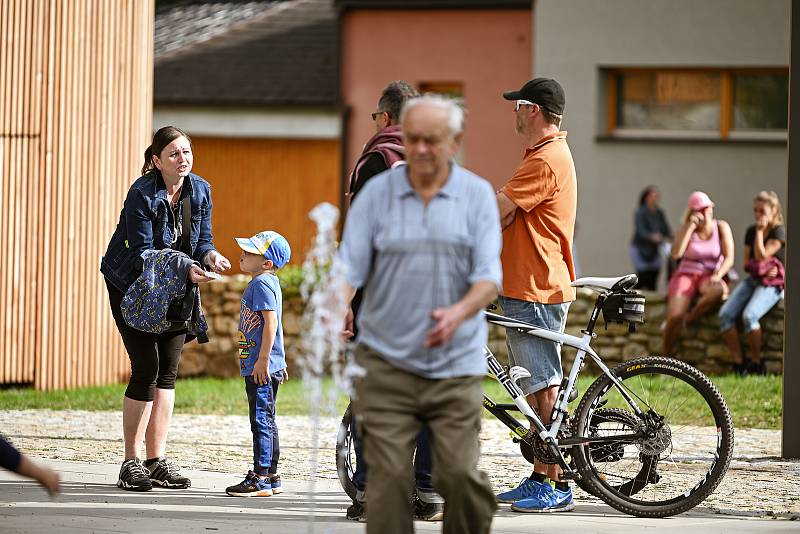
(487, 51)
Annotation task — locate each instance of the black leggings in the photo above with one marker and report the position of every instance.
(154, 357)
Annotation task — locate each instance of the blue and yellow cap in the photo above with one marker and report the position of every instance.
(272, 245)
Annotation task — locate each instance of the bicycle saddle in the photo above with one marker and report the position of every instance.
(619, 283)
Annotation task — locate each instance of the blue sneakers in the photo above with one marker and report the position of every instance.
(547, 500)
(527, 488)
(251, 486)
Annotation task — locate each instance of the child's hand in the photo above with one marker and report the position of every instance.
(285, 376)
(261, 371)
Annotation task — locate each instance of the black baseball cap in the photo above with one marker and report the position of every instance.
(546, 92)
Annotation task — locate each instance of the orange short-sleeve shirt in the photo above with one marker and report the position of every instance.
(537, 245)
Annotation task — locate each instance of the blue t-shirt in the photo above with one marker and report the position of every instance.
(263, 293)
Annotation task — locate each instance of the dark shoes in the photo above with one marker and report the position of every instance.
(428, 511)
(423, 511)
(750, 368)
(134, 476)
(166, 473)
(357, 512)
(251, 486)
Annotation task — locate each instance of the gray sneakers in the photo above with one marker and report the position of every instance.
(134, 476)
(166, 473)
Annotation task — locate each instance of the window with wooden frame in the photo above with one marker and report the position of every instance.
(452, 90)
(698, 103)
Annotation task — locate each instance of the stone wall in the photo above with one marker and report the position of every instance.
(220, 301)
(701, 344)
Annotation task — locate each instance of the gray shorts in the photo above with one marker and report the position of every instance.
(542, 358)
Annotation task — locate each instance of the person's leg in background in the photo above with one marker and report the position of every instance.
(728, 314)
(711, 294)
(647, 279)
(763, 299)
(428, 505)
(357, 511)
(681, 291)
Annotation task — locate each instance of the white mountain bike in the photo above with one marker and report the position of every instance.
(651, 437)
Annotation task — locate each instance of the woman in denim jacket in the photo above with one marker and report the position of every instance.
(152, 218)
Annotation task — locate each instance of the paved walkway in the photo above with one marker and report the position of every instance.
(90, 503)
(759, 493)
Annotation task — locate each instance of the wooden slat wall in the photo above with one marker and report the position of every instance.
(260, 184)
(75, 110)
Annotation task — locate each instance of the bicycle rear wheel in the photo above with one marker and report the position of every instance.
(685, 443)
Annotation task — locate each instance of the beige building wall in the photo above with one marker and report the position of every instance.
(575, 40)
(75, 109)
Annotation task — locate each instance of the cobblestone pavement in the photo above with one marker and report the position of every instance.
(758, 483)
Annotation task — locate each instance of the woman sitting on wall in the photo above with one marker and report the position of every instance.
(703, 246)
(764, 250)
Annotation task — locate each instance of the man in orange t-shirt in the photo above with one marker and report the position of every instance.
(537, 211)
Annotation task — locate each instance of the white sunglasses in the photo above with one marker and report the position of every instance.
(518, 103)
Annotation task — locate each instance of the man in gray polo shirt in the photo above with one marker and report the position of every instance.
(423, 240)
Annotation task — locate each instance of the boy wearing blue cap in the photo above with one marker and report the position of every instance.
(261, 356)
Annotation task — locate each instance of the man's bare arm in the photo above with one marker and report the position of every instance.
(507, 209)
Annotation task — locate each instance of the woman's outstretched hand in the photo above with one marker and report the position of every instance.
(197, 275)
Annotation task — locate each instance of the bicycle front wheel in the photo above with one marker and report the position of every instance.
(683, 446)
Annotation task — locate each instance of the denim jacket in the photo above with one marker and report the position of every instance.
(146, 222)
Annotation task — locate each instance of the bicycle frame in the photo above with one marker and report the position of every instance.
(583, 346)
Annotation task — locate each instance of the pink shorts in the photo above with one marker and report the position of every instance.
(687, 284)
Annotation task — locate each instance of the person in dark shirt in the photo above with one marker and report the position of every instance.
(13, 460)
(764, 256)
(651, 230)
(382, 152)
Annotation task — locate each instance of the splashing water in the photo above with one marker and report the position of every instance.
(323, 290)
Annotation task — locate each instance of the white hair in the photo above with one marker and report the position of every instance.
(455, 114)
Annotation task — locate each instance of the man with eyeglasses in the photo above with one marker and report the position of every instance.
(382, 152)
(385, 149)
(537, 212)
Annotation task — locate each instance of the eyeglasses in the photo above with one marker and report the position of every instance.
(518, 103)
(377, 114)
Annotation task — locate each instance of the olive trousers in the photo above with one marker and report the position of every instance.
(391, 405)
